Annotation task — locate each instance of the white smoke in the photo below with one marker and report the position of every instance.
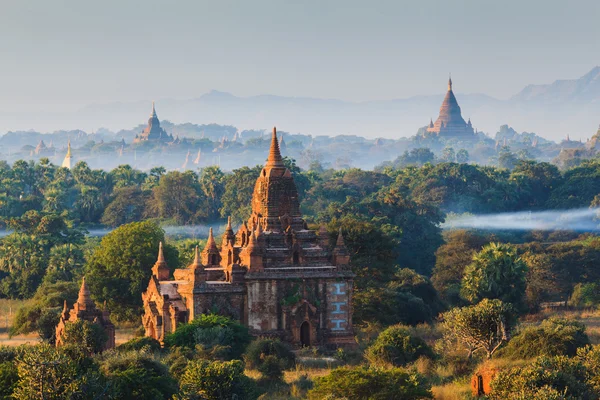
(580, 219)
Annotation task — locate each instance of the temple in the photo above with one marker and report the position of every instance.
(450, 122)
(274, 275)
(153, 132)
(85, 309)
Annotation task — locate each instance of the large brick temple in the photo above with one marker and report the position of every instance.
(274, 274)
(450, 122)
(153, 131)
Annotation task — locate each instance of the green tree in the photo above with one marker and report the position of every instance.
(553, 337)
(270, 357)
(485, 326)
(205, 379)
(396, 346)
(86, 334)
(497, 272)
(239, 186)
(462, 156)
(177, 196)
(120, 267)
(137, 376)
(128, 205)
(363, 383)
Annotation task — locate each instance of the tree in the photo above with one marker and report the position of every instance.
(485, 326)
(448, 155)
(239, 186)
(397, 347)
(120, 267)
(408, 298)
(128, 205)
(86, 334)
(226, 337)
(553, 378)
(212, 183)
(270, 357)
(205, 379)
(497, 272)
(363, 383)
(553, 337)
(177, 196)
(137, 376)
(462, 156)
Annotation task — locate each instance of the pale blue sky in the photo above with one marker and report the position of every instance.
(65, 54)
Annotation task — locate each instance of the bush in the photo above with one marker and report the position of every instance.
(585, 295)
(363, 383)
(9, 375)
(270, 356)
(553, 337)
(143, 343)
(212, 332)
(135, 375)
(545, 378)
(87, 334)
(205, 379)
(396, 346)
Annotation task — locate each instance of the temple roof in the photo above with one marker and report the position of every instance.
(275, 194)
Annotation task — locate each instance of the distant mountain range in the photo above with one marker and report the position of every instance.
(552, 111)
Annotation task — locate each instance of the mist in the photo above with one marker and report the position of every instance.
(581, 219)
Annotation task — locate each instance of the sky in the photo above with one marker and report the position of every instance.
(62, 55)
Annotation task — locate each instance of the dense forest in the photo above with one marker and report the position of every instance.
(420, 291)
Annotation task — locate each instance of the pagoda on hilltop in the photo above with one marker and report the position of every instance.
(273, 275)
(450, 123)
(153, 131)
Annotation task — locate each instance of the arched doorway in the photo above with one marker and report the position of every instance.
(305, 334)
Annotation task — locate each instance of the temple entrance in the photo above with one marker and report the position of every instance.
(305, 334)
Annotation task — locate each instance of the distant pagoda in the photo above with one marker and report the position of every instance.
(68, 161)
(153, 131)
(450, 122)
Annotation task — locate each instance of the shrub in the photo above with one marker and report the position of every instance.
(270, 356)
(553, 337)
(396, 346)
(546, 378)
(363, 383)
(212, 332)
(143, 343)
(9, 375)
(135, 375)
(87, 334)
(585, 295)
(205, 379)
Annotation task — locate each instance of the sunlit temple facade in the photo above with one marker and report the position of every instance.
(274, 275)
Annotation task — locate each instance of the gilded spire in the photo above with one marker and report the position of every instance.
(65, 308)
(275, 159)
(69, 148)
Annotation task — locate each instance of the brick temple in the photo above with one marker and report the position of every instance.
(85, 309)
(274, 275)
(450, 122)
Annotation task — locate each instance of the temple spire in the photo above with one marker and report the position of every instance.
(210, 242)
(153, 114)
(340, 239)
(229, 228)
(161, 256)
(197, 262)
(450, 83)
(275, 159)
(84, 297)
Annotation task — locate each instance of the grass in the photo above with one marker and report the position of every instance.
(457, 390)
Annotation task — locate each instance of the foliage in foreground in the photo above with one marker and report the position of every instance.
(363, 383)
(218, 334)
(553, 337)
(270, 357)
(205, 379)
(484, 326)
(396, 346)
